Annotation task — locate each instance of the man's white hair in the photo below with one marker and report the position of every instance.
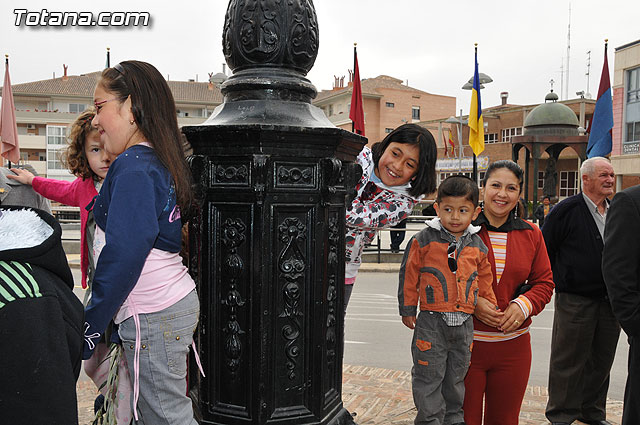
(588, 167)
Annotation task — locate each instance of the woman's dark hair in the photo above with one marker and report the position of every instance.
(424, 181)
(74, 156)
(459, 186)
(154, 112)
(516, 170)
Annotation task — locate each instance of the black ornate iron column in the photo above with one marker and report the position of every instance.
(267, 246)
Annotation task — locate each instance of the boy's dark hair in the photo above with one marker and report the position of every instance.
(154, 111)
(74, 156)
(425, 179)
(459, 186)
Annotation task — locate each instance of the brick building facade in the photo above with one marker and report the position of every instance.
(625, 155)
(388, 103)
(502, 123)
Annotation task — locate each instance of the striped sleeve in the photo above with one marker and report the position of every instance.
(524, 304)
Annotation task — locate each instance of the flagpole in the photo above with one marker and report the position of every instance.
(475, 163)
(6, 66)
(460, 143)
(355, 53)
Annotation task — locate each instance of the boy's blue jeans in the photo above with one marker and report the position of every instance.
(441, 356)
(165, 340)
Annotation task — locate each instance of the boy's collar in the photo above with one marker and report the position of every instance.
(435, 223)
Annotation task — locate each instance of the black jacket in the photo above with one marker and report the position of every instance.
(575, 247)
(40, 329)
(621, 259)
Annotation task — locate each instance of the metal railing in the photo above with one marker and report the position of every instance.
(66, 214)
(418, 222)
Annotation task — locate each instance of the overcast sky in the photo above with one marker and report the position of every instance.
(521, 44)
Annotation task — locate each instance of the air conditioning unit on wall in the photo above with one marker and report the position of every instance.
(31, 126)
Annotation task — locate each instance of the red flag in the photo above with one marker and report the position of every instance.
(8, 128)
(356, 114)
(450, 144)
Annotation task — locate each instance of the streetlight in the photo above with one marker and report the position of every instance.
(484, 79)
(459, 121)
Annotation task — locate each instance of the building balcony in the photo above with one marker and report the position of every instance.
(39, 166)
(41, 117)
(30, 141)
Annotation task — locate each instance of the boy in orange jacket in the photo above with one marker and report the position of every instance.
(444, 270)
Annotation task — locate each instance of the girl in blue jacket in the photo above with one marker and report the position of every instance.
(140, 281)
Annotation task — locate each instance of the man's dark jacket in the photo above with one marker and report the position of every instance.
(575, 248)
(40, 332)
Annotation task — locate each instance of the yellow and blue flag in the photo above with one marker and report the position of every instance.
(476, 123)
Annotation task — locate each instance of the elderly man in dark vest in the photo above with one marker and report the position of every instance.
(585, 331)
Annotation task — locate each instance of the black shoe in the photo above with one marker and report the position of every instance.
(561, 423)
(600, 422)
(98, 403)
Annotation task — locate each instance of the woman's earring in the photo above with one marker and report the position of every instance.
(515, 210)
(132, 122)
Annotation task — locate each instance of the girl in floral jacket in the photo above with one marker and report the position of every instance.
(396, 172)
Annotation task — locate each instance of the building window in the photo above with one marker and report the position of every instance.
(568, 183)
(330, 110)
(508, 133)
(415, 113)
(56, 143)
(540, 179)
(390, 105)
(491, 138)
(481, 175)
(388, 130)
(76, 108)
(444, 175)
(633, 131)
(633, 86)
(631, 140)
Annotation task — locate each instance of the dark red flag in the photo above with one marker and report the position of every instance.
(356, 114)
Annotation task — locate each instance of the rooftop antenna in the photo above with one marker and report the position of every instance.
(588, 93)
(561, 79)
(568, 53)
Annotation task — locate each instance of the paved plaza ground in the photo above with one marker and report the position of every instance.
(383, 396)
(376, 395)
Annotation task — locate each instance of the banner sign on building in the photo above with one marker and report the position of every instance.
(453, 164)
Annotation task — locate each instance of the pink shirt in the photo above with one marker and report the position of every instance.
(163, 282)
